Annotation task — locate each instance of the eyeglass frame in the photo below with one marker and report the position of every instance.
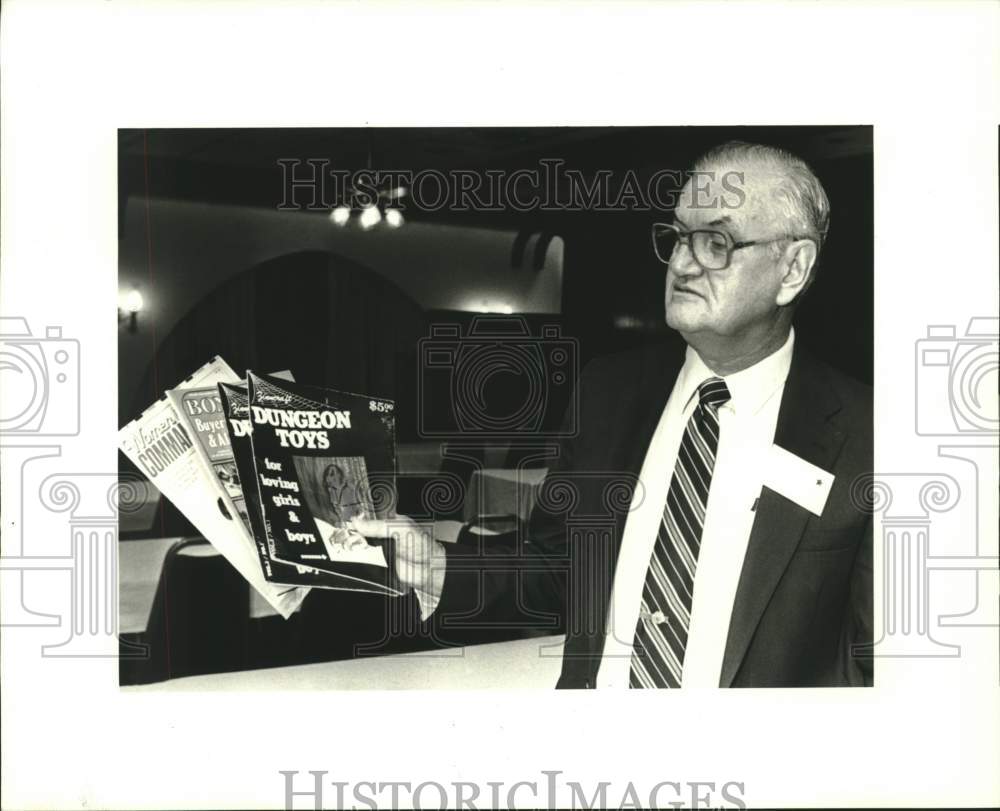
(684, 238)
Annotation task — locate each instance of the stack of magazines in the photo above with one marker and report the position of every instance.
(272, 472)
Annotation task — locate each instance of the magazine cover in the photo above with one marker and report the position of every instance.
(200, 410)
(235, 406)
(161, 447)
(320, 457)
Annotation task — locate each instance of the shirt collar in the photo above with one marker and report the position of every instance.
(749, 389)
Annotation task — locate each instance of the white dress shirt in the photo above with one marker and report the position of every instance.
(746, 433)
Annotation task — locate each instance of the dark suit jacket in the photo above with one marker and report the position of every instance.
(805, 593)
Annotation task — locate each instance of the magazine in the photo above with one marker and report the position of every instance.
(321, 458)
(161, 447)
(235, 406)
(200, 411)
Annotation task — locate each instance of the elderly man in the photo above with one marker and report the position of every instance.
(743, 559)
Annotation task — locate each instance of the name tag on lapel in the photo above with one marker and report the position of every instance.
(797, 480)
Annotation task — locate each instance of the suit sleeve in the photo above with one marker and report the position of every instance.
(856, 641)
(518, 578)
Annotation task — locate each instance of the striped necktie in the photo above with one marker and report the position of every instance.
(665, 612)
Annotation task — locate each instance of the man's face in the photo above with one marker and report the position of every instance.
(733, 302)
(333, 477)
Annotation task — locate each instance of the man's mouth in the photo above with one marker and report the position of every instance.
(686, 291)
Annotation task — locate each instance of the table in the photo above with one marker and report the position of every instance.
(140, 517)
(418, 457)
(141, 561)
(139, 565)
(503, 491)
(427, 457)
(531, 663)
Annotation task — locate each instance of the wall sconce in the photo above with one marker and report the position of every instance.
(129, 305)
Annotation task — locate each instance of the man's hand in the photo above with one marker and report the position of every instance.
(420, 560)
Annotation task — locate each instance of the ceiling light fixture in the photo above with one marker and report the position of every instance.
(370, 214)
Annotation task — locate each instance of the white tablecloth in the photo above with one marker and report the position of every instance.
(502, 491)
(533, 663)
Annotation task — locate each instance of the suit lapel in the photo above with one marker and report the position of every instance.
(656, 380)
(637, 412)
(806, 428)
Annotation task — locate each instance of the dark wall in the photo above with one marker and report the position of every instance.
(613, 284)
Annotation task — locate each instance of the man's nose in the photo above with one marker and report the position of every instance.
(682, 263)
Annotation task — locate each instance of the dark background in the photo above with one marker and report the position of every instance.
(269, 316)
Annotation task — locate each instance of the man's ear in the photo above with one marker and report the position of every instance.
(800, 260)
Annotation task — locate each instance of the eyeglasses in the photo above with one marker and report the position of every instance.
(712, 250)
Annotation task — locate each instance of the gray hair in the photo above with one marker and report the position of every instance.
(799, 192)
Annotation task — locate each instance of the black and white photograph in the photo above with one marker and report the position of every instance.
(509, 405)
(557, 426)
